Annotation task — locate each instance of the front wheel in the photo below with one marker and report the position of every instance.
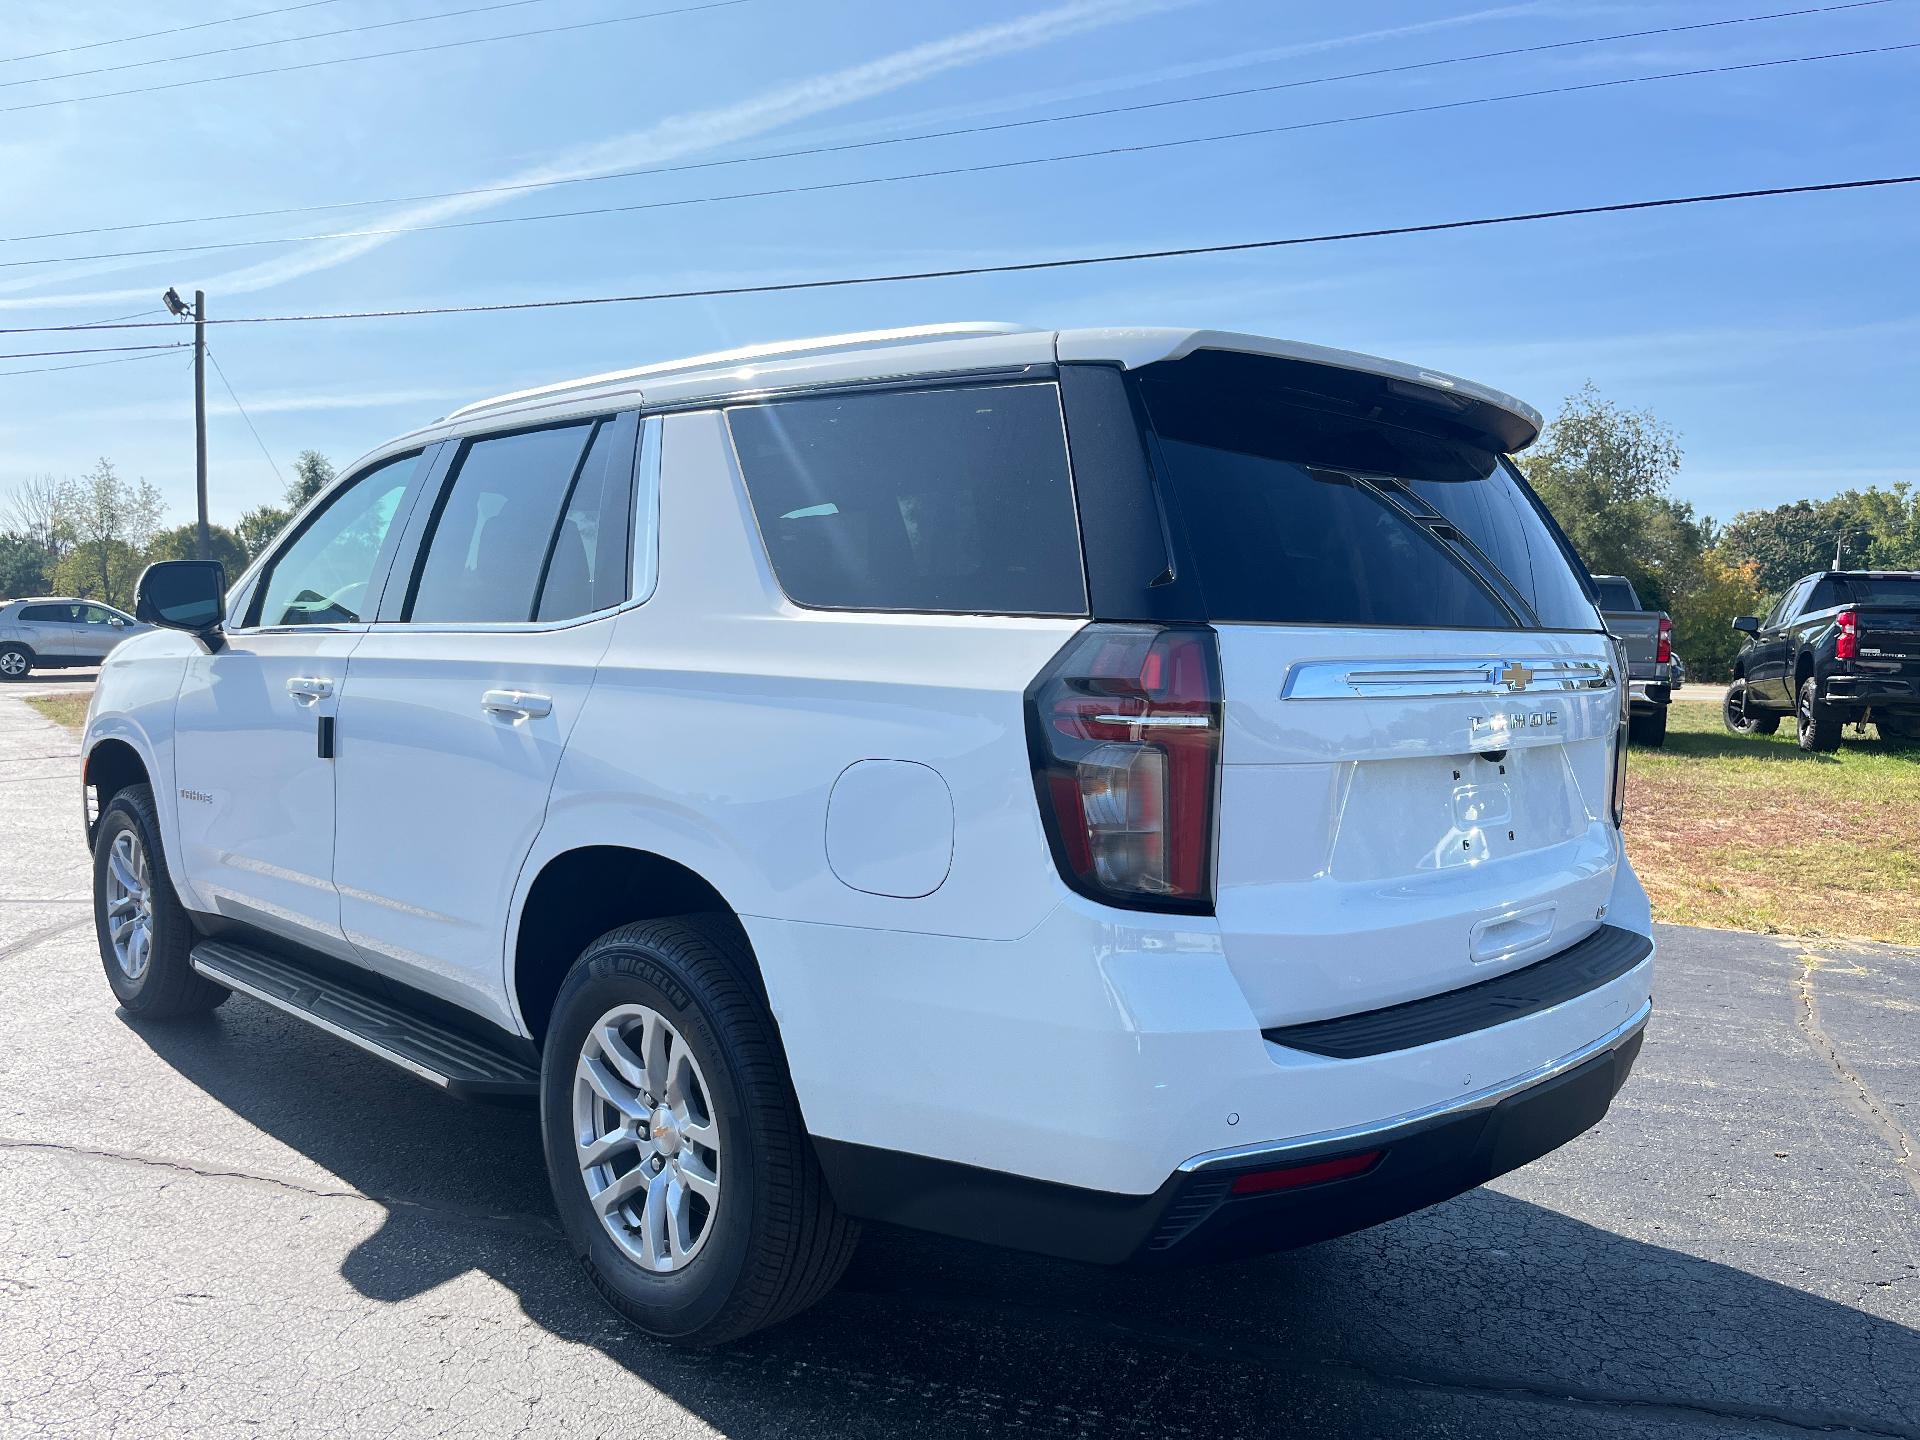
(1819, 722)
(145, 937)
(683, 1175)
(1741, 717)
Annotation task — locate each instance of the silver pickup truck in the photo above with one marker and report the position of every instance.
(1647, 637)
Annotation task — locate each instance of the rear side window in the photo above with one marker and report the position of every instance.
(487, 546)
(46, 614)
(953, 500)
(1305, 506)
(1827, 594)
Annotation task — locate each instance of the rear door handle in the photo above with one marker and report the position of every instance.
(516, 704)
(308, 689)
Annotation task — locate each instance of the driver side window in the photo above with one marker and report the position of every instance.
(321, 577)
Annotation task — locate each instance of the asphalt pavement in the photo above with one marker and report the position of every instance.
(239, 1226)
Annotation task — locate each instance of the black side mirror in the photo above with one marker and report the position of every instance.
(183, 595)
(1746, 624)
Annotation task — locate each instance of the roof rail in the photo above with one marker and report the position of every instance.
(779, 349)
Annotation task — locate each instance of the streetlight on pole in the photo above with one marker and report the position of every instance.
(177, 308)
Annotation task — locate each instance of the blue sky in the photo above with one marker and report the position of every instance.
(1778, 336)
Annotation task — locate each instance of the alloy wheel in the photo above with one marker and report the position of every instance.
(129, 905)
(646, 1137)
(13, 664)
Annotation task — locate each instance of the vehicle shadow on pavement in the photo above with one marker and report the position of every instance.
(1488, 1315)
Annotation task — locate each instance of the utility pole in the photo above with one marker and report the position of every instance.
(178, 307)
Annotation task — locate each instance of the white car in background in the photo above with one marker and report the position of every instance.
(57, 633)
(1127, 794)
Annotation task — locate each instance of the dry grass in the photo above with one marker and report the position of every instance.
(1749, 833)
(67, 710)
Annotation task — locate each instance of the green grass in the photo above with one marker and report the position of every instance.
(1751, 833)
(67, 710)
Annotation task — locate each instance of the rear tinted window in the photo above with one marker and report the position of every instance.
(1305, 508)
(1616, 595)
(938, 500)
(1883, 590)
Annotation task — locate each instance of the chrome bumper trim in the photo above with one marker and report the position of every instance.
(1478, 1100)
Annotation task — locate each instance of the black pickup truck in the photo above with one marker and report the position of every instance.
(1840, 647)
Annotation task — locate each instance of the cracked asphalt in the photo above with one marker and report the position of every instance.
(238, 1226)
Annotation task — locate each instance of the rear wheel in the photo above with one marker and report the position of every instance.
(1819, 722)
(15, 662)
(1743, 718)
(1900, 733)
(145, 937)
(1649, 730)
(683, 1175)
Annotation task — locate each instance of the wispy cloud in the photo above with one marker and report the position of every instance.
(286, 402)
(1188, 70)
(680, 136)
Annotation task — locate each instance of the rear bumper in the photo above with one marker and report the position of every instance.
(1422, 1158)
(1889, 690)
(1644, 696)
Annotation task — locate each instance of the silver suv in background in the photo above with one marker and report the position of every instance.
(47, 633)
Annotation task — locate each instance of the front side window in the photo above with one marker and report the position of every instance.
(945, 500)
(94, 615)
(1308, 498)
(322, 576)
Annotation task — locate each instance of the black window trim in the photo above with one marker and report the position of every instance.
(643, 469)
(254, 584)
(974, 380)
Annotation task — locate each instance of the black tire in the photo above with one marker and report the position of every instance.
(774, 1242)
(1743, 719)
(1648, 730)
(15, 662)
(167, 985)
(1900, 734)
(1819, 722)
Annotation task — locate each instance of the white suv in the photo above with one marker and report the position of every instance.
(1126, 794)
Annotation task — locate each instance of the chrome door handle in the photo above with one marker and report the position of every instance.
(516, 704)
(307, 689)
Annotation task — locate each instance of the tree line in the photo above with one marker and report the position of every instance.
(1607, 474)
(91, 535)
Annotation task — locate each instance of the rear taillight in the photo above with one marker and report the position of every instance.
(1663, 648)
(1124, 729)
(1619, 778)
(1846, 644)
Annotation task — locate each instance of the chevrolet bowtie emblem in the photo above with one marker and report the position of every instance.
(1516, 676)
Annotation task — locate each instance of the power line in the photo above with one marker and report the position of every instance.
(89, 350)
(379, 55)
(82, 365)
(1028, 266)
(987, 167)
(282, 40)
(176, 30)
(923, 136)
(246, 417)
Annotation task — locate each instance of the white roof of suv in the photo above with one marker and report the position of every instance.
(952, 348)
